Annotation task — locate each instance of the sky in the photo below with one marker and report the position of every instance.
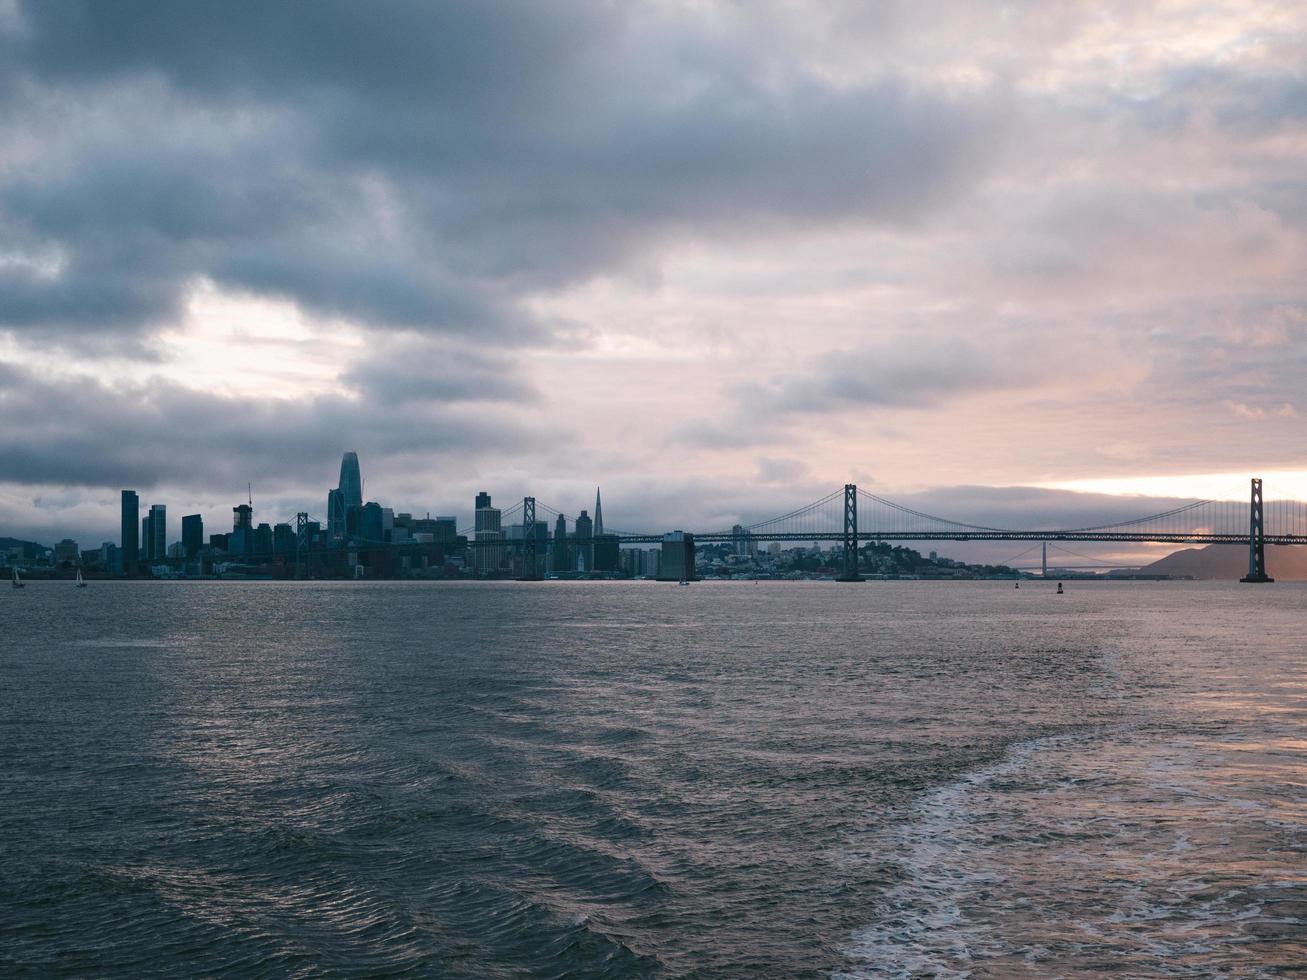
(1013, 259)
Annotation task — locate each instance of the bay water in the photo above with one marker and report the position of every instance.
(630, 779)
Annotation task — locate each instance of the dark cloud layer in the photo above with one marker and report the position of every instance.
(419, 164)
(85, 433)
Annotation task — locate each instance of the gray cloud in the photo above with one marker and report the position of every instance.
(410, 371)
(425, 165)
(84, 433)
(907, 372)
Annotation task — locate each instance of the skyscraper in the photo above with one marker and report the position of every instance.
(131, 515)
(562, 558)
(487, 558)
(584, 543)
(372, 524)
(677, 559)
(487, 517)
(241, 540)
(336, 513)
(263, 541)
(157, 547)
(599, 515)
(192, 534)
(283, 540)
(351, 481)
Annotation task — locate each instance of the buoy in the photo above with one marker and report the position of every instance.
(1059, 588)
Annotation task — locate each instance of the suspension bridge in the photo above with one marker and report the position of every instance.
(852, 517)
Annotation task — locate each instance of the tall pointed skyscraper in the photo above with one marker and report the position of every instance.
(599, 515)
(351, 482)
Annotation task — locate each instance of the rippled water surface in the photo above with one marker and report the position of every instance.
(630, 779)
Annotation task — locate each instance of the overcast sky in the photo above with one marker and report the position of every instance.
(718, 257)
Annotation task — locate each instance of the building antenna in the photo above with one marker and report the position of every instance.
(249, 489)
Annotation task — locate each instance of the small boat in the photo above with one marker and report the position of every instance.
(682, 582)
(1059, 588)
(18, 583)
(1018, 585)
(81, 584)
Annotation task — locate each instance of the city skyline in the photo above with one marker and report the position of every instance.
(710, 257)
(491, 546)
(1047, 509)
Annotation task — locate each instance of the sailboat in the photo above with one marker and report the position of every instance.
(80, 583)
(18, 583)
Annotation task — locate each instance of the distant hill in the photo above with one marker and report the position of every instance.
(1230, 562)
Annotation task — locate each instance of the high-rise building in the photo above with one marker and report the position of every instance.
(336, 513)
(263, 541)
(345, 503)
(743, 541)
(372, 527)
(562, 559)
(632, 561)
(192, 534)
(157, 547)
(487, 517)
(487, 556)
(440, 528)
(584, 539)
(241, 539)
(66, 552)
(676, 562)
(607, 553)
(640, 561)
(283, 540)
(599, 515)
(351, 480)
(131, 515)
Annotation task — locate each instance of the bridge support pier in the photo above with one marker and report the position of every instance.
(850, 535)
(1256, 538)
(530, 567)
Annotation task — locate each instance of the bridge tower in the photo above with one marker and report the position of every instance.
(1256, 538)
(530, 569)
(850, 535)
(301, 543)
